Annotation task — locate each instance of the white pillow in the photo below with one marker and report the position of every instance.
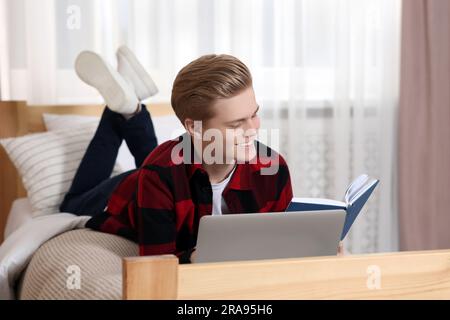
(166, 128)
(47, 163)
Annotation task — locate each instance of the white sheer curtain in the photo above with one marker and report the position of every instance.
(325, 73)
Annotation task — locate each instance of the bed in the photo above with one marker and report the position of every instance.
(34, 242)
(68, 261)
(54, 257)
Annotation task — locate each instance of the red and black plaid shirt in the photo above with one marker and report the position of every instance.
(160, 205)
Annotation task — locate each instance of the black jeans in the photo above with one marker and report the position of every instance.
(92, 185)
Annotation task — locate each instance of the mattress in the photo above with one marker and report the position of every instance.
(42, 257)
(79, 264)
(19, 215)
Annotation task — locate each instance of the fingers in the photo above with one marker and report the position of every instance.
(340, 250)
(193, 256)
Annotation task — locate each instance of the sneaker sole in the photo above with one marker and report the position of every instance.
(143, 84)
(94, 71)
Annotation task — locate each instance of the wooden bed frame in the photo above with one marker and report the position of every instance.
(17, 119)
(402, 275)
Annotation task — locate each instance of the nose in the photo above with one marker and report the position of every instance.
(251, 127)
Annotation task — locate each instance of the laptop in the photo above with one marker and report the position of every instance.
(274, 235)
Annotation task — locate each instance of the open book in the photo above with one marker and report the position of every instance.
(355, 197)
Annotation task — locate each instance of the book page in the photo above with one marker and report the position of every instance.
(320, 201)
(355, 186)
(363, 189)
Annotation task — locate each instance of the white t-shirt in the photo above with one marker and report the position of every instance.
(218, 203)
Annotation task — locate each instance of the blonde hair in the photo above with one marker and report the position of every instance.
(200, 83)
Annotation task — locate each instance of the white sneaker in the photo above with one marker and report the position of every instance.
(96, 72)
(133, 71)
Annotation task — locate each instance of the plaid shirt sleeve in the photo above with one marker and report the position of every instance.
(118, 218)
(156, 216)
(284, 186)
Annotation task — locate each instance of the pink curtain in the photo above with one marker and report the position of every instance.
(424, 126)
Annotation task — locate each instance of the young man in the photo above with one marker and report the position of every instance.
(217, 167)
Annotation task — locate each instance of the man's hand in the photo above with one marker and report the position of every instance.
(193, 256)
(340, 251)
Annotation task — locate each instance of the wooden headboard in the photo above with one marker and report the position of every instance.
(16, 119)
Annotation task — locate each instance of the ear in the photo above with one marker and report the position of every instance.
(189, 125)
(190, 128)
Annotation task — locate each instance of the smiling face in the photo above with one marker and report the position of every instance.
(238, 121)
(229, 135)
(214, 99)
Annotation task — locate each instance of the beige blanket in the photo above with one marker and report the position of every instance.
(78, 264)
